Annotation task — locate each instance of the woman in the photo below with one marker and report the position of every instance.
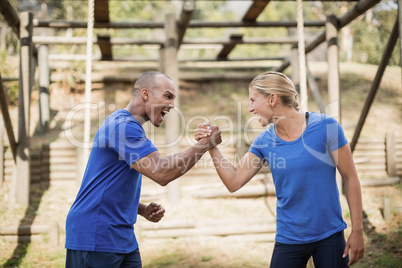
(303, 151)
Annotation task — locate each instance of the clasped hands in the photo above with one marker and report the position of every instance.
(210, 133)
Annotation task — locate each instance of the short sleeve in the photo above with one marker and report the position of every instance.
(130, 142)
(335, 135)
(256, 146)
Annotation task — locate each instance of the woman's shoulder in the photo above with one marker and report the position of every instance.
(266, 133)
(319, 118)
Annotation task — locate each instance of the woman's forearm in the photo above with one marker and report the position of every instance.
(354, 198)
(226, 171)
(235, 177)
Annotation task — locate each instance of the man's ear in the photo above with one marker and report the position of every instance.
(145, 94)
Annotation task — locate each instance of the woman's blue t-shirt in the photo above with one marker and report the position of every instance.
(101, 218)
(304, 174)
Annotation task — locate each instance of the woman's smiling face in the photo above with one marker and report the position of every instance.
(259, 105)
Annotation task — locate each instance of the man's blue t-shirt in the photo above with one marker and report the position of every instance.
(304, 174)
(102, 216)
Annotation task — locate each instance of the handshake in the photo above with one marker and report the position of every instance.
(205, 133)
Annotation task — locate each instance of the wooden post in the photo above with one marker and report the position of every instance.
(44, 76)
(302, 58)
(7, 120)
(387, 209)
(334, 99)
(10, 16)
(333, 67)
(1, 153)
(376, 84)
(390, 148)
(400, 31)
(23, 167)
(172, 120)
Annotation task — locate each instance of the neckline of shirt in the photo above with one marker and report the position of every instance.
(308, 119)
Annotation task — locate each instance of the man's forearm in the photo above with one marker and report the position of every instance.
(174, 166)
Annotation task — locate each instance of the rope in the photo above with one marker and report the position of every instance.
(302, 57)
(88, 79)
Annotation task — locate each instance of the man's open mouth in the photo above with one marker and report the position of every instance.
(164, 113)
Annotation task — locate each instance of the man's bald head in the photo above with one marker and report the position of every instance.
(148, 80)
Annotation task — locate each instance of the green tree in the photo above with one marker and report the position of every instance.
(370, 37)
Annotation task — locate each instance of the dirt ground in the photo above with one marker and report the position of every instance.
(51, 204)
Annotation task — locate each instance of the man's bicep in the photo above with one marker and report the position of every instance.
(148, 164)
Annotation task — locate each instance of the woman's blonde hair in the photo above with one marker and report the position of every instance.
(275, 82)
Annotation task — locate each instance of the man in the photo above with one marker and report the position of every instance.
(99, 226)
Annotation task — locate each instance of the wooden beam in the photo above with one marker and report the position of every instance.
(255, 10)
(51, 40)
(259, 24)
(227, 48)
(11, 16)
(105, 47)
(376, 84)
(81, 57)
(234, 59)
(63, 24)
(101, 11)
(24, 230)
(210, 231)
(7, 120)
(185, 16)
(132, 77)
(10, 79)
(61, 40)
(238, 39)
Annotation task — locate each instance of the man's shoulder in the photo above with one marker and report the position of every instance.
(123, 117)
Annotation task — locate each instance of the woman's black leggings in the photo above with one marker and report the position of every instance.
(327, 253)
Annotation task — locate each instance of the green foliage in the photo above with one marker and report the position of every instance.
(371, 37)
(12, 93)
(387, 261)
(210, 10)
(206, 258)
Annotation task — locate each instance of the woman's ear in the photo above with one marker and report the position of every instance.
(273, 98)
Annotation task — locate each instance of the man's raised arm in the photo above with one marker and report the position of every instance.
(163, 170)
